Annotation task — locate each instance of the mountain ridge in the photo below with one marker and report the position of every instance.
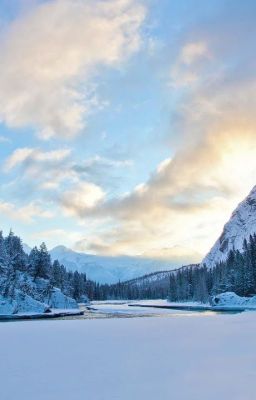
(240, 226)
(107, 269)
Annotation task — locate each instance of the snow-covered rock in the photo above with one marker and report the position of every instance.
(28, 295)
(84, 299)
(22, 303)
(230, 299)
(26, 248)
(42, 291)
(58, 300)
(241, 225)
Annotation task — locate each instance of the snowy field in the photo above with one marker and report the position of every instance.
(201, 357)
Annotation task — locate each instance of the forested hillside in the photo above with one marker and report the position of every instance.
(236, 274)
(151, 286)
(194, 282)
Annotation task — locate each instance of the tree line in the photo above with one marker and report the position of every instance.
(192, 283)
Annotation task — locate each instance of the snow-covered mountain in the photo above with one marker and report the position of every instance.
(104, 269)
(241, 225)
(26, 248)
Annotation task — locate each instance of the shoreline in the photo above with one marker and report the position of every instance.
(29, 316)
(196, 307)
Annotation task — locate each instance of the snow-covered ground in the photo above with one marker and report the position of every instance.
(204, 357)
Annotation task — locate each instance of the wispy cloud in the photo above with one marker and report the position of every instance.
(26, 214)
(34, 157)
(4, 139)
(59, 179)
(192, 52)
(187, 69)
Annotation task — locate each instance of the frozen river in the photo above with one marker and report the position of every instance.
(166, 355)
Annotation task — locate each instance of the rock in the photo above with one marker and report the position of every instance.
(230, 299)
(22, 303)
(59, 300)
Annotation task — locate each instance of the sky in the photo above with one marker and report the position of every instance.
(126, 126)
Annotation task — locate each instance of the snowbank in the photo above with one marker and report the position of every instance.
(230, 299)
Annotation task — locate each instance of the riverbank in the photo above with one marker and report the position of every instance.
(29, 316)
(202, 307)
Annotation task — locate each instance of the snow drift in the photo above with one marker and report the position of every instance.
(230, 299)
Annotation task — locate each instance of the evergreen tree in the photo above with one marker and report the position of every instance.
(44, 265)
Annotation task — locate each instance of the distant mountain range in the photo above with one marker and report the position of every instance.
(107, 269)
(104, 269)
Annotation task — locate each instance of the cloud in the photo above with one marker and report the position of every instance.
(26, 214)
(106, 172)
(84, 196)
(4, 139)
(37, 170)
(101, 162)
(188, 66)
(58, 171)
(192, 52)
(51, 56)
(30, 157)
(65, 237)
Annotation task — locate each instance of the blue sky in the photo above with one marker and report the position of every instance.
(127, 126)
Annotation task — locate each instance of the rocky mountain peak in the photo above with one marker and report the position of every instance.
(241, 225)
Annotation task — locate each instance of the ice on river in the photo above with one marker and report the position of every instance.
(204, 357)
